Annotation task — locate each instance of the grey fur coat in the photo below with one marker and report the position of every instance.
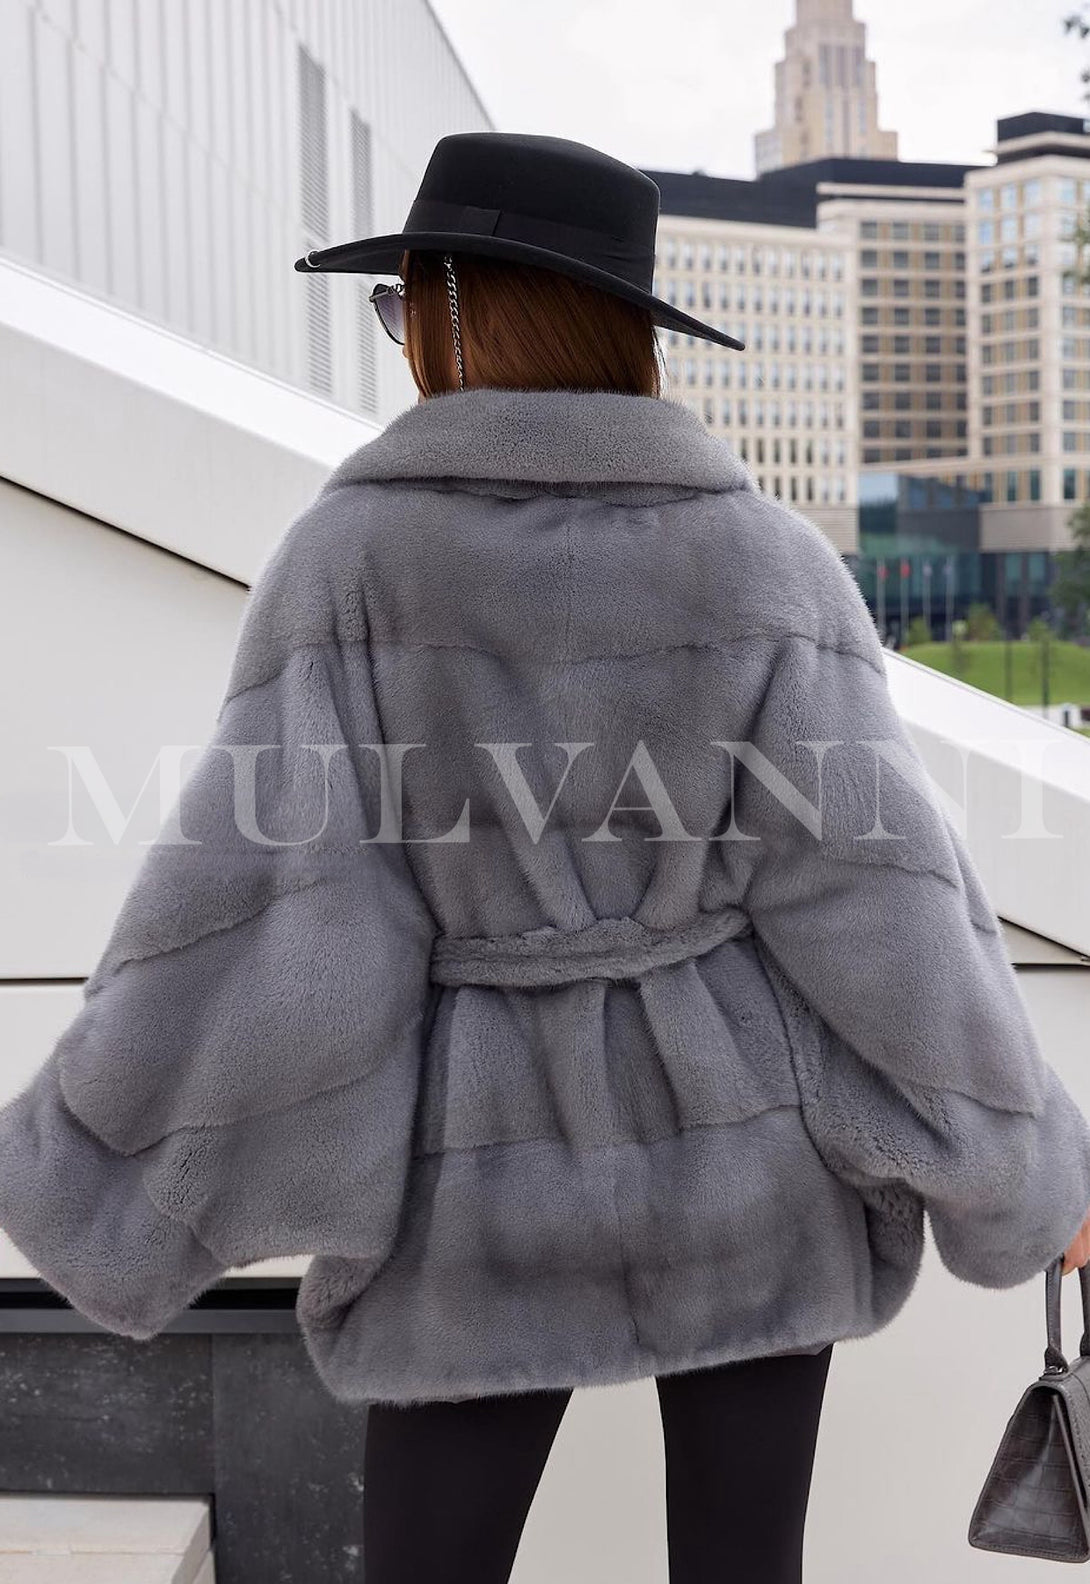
(570, 975)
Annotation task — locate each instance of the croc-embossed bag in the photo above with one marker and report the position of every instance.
(1034, 1500)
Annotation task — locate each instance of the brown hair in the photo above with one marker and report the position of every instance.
(525, 328)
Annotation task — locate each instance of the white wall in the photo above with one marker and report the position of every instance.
(152, 152)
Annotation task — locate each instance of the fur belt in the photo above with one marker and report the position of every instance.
(610, 948)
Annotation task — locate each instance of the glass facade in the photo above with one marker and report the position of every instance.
(919, 555)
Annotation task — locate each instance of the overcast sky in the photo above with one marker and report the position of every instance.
(684, 84)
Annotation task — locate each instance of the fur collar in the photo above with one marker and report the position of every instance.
(549, 437)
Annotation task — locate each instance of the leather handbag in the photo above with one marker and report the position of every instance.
(1034, 1500)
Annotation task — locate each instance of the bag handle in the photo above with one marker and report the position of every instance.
(1055, 1362)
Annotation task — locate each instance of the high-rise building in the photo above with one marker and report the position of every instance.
(1029, 330)
(846, 280)
(826, 93)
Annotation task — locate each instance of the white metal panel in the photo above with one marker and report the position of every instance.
(201, 243)
(121, 187)
(148, 131)
(122, 25)
(18, 183)
(53, 136)
(175, 26)
(90, 154)
(178, 228)
(149, 54)
(199, 74)
(91, 29)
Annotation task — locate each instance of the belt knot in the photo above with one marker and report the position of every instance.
(610, 948)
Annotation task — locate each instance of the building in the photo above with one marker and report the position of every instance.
(788, 403)
(878, 325)
(826, 93)
(959, 353)
(1029, 331)
(177, 159)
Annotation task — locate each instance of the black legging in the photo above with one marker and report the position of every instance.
(448, 1485)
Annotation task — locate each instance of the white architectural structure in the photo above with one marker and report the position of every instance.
(126, 536)
(178, 158)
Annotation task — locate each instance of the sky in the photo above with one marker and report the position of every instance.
(683, 85)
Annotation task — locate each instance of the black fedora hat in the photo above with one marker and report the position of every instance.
(532, 199)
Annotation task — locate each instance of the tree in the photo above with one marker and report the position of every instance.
(918, 632)
(981, 622)
(1078, 23)
(1071, 585)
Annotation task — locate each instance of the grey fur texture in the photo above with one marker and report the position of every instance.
(567, 1106)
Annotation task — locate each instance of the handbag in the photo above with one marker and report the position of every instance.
(1034, 1500)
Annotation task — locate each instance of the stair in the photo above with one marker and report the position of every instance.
(105, 1540)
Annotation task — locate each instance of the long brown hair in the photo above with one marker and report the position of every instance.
(525, 328)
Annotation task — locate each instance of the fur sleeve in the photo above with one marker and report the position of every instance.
(927, 1070)
(239, 1081)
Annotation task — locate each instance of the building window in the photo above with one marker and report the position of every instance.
(899, 231)
(868, 259)
(868, 286)
(870, 344)
(902, 429)
(900, 260)
(933, 373)
(869, 230)
(901, 287)
(932, 288)
(933, 346)
(1012, 486)
(870, 373)
(931, 261)
(872, 429)
(901, 373)
(932, 316)
(868, 316)
(1069, 484)
(902, 316)
(902, 401)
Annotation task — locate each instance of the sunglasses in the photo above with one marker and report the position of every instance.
(389, 304)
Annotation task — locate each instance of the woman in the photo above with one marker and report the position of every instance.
(577, 984)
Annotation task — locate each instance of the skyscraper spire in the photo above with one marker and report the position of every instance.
(826, 94)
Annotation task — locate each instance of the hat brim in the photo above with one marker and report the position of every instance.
(382, 256)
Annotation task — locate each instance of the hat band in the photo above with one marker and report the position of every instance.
(596, 248)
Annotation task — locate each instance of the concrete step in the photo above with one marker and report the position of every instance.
(105, 1540)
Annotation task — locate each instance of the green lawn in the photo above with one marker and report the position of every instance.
(983, 667)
